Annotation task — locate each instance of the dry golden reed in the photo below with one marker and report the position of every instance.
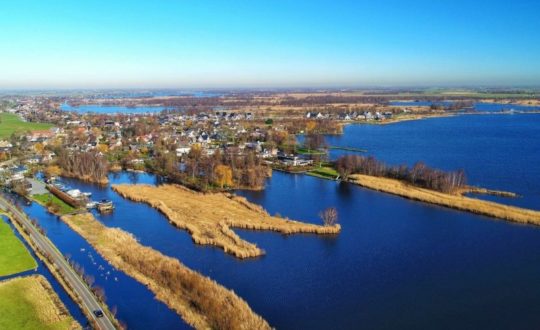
(459, 202)
(202, 302)
(210, 217)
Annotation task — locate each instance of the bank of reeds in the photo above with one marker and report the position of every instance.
(458, 202)
(86, 178)
(202, 302)
(210, 217)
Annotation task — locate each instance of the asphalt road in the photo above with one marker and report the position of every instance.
(88, 299)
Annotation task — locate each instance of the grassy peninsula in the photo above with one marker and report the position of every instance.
(210, 217)
(53, 204)
(200, 301)
(14, 257)
(458, 202)
(31, 303)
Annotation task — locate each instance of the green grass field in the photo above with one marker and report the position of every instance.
(63, 208)
(306, 151)
(14, 257)
(31, 303)
(10, 123)
(324, 172)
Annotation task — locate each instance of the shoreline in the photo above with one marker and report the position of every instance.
(458, 202)
(199, 300)
(102, 181)
(217, 214)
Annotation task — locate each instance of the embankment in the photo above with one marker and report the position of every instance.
(201, 302)
(458, 202)
(210, 217)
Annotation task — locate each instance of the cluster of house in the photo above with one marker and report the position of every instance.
(365, 115)
(212, 131)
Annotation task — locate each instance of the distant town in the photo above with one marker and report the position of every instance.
(204, 142)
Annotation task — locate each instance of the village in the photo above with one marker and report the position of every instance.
(204, 149)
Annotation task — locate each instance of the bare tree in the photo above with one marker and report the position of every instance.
(329, 216)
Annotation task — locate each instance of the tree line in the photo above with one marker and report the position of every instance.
(85, 165)
(419, 175)
(231, 168)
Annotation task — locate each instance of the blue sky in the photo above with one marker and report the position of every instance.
(207, 44)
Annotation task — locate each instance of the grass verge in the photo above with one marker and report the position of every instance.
(31, 303)
(324, 172)
(53, 204)
(14, 257)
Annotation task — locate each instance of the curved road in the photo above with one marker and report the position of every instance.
(88, 299)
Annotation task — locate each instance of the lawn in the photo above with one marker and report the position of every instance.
(306, 151)
(31, 303)
(63, 208)
(10, 123)
(324, 172)
(14, 257)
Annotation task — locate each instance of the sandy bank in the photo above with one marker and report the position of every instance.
(510, 213)
(210, 217)
(200, 301)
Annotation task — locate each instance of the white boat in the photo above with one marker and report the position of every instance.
(91, 205)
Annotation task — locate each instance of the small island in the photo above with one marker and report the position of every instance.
(210, 217)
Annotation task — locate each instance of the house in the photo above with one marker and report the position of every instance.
(5, 146)
(40, 136)
(294, 160)
(182, 150)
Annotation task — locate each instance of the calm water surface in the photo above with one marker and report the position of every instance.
(396, 264)
(136, 304)
(496, 151)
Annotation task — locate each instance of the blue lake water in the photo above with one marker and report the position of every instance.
(397, 263)
(496, 151)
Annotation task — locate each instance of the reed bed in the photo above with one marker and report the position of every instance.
(210, 217)
(200, 301)
(473, 205)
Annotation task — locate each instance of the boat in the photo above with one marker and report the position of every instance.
(105, 206)
(91, 205)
